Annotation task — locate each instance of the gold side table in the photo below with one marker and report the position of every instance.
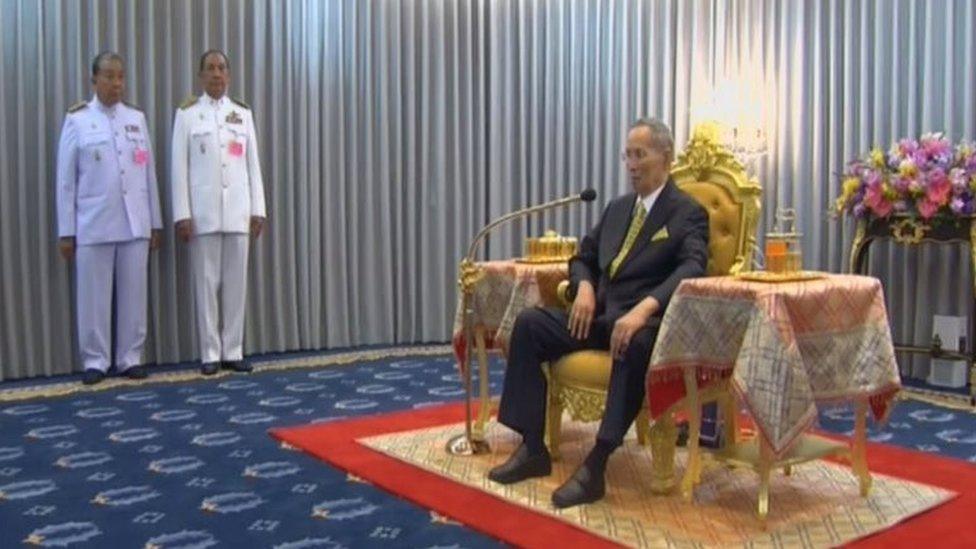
(910, 231)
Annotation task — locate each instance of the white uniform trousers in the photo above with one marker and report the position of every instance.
(97, 267)
(219, 264)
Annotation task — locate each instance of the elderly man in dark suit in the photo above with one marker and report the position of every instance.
(630, 263)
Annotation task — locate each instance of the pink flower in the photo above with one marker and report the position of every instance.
(871, 177)
(875, 200)
(926, 208)
(939, 187)
(936, 147)
(907, 147)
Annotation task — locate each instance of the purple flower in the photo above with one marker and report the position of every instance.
(859, 210)
(970, 163)
(959, 180)
(871, 177)
(958, 206)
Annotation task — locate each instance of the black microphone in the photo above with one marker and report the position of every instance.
(588, 195)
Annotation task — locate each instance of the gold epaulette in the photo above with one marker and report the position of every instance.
(240, 103)
(77, 106)
(189, 102)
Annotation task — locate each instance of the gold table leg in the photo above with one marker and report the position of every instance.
(859, 457)
(484, 408)
(765, 468)
(693, 468)
(664, 437)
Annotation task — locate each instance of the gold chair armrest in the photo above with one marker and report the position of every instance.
(562, 292)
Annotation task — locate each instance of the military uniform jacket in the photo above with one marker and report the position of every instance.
(216, 175)
(106, 175)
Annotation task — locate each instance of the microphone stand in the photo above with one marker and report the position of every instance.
(470, 274)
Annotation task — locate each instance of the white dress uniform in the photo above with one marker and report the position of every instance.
(216, 182)
(108, 201)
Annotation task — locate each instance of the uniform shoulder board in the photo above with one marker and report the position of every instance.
(131, 106)
(78, 106)
(189, 102)
(240, 103)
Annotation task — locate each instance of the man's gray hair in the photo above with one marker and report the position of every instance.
(661, 138)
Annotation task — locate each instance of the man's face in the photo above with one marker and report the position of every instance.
(647, 166)
(215, 75)
(110, 81)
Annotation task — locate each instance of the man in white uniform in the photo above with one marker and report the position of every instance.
(108, 220)
(218, 198)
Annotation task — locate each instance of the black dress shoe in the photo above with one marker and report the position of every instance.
(209, 368)
(92, 376)
(136, 372)
(521, 465)
(582, 487)
(237, 366)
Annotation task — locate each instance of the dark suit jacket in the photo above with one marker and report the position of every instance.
(651, 268)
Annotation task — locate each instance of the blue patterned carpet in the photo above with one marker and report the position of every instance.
(191, 465)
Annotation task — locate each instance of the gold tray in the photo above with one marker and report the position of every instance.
(541, 260)
(766, 276)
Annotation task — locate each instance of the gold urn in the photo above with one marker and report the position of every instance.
(549, 248)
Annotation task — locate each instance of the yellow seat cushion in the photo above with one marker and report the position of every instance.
(586, 369)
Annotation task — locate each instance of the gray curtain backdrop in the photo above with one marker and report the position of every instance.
(391, 130)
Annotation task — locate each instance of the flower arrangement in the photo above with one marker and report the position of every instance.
(926, 178)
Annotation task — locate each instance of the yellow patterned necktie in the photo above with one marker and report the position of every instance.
(636, 222)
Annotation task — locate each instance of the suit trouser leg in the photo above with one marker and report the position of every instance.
(625, 394)
(539, 335)
(205, 255)
(233, 293)
(94, 267)
(131, 282)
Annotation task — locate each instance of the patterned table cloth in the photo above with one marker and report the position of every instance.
(787, 347)
(507, 287)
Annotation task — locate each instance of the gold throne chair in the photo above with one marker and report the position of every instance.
(578, 381)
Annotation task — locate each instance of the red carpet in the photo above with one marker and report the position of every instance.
(336, 444)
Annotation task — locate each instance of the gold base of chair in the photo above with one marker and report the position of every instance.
(569, 392)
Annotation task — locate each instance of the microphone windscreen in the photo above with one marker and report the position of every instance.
(588, 195)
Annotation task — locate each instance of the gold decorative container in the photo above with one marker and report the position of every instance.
(549, 248)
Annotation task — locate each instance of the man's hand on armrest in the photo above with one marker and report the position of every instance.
(628, 325)
(581, 315)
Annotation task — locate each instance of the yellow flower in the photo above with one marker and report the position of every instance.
(972, 183)
(888, 191)
(907, 168)
(964, 151)
(877, 157)
(851, 185)
(839, 204)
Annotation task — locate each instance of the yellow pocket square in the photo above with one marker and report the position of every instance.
(662, 234)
